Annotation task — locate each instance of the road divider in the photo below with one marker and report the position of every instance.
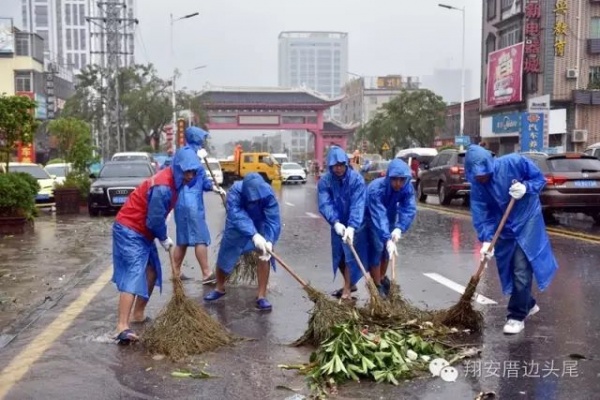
(560, 232)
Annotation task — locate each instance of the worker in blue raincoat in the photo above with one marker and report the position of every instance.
(523, 250)
(253, 224)
(136, 266)
(341, 197)
(390, 211)
(190, 218)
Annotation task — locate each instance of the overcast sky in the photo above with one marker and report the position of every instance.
(237, 39)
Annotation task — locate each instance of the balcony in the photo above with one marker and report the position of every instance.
(587, 97)
(593, 45)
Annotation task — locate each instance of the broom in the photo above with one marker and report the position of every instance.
(375, 304)
(462, 315)
(325, 315)
(183, 327)
(246, 267)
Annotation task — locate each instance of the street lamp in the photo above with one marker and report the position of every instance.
(173, 101)
(462, 80)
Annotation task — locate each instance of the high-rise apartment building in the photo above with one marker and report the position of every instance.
(70, 36)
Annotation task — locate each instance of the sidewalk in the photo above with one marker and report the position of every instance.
(37, 268)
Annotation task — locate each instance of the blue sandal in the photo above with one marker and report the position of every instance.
(126, 337)
(214, 295)
(263, 305)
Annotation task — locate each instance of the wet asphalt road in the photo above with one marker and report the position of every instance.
(78, 360)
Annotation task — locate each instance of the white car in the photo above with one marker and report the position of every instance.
(215, 167)
(292, 173)
(59, 171)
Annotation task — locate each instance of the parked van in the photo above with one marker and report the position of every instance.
(593, 150)
(215, 167)
(280, 157)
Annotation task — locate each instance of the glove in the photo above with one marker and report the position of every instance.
(202, 154)
(396, 235)
(391, 248)
(260, 242)
(219, 190)
(486, 253)
(267, 256)
(517, 190)
(339, 229)
(348, 235)
(167, 244)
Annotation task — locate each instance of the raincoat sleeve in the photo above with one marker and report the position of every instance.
(272, 220)
(533, 178)
(357, 201)
(237, 216)
(378, 212)
(159, 202)
(483, 220)
(207, 184)
(407, 209)
(326, 204)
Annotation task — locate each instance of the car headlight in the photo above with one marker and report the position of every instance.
(96, 190)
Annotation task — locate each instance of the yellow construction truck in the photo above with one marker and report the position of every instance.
(244, 163)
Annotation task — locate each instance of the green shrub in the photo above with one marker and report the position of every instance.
(56, 161)
(18, 196)
(79, 181)
(32, 183)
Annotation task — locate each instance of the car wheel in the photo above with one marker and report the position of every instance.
(549, 218)
(304, 182)
(93, 212)
(422, 196)
(596, 218)
(445, 199)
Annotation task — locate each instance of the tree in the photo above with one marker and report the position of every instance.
(17, 123)
(409, 119)
(74, 139)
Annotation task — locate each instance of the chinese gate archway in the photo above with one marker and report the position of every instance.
(275, 109)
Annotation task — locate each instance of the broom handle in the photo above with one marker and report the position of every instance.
(172, 261)
(360, 264)
(287, 268)
(214, 181)
(483, 262)
(393, 260)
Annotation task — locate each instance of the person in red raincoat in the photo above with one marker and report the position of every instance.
(136, 266)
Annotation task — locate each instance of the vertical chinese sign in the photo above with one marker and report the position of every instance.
(533, 16)
(180, 132)
(25, 153)
(532, 132)
(560, 27)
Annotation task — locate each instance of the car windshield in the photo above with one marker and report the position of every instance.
(58, 170)
(574, 165)
(131, 158)
(34, 170)
(126, 171)
(291, 166)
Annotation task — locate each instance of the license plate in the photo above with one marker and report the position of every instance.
(42, 197)
(119, 199)
(586, 184)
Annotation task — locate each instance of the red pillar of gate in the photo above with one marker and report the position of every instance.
(319, 147)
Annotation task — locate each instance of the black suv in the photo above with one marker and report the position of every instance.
(444, 176)
(114, 183)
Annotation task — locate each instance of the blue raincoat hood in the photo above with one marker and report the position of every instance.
(398, 169)
(195, 137)
(478, 161)
(255, 188)
(335, 156)
(184, 160)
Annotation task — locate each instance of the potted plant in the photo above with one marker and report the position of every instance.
(75, 146)
(17, 203)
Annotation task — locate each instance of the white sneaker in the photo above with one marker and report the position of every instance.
(513, 326)
(534, 310)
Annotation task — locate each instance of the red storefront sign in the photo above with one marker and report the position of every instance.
(533, 16)
(26, 153)
(181, 132)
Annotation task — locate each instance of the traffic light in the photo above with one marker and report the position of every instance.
(180, 132)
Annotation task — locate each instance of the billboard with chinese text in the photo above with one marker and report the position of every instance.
(505, 76)
(532, 131)
(7, 36)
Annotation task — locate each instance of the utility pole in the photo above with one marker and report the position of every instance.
(112, 21)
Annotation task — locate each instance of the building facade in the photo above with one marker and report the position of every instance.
(541, 63)
(73, 33)
(365, 96)
(446, 136)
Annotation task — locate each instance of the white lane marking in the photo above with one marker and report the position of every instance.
(312, 215)
(456, 287)
(287, 203)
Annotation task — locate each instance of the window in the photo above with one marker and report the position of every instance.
(594, 77)
(490, 44)
(23, 82)
(41, 16)
(444, 159)
(22, 44)
(69, 39)
(595, 28)
(68, 14)
(491, 9)
(506, 4)
(83, 61)
(81, 15)
(70, 60)
(248, 159)
(511, 35)
(82, 41)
